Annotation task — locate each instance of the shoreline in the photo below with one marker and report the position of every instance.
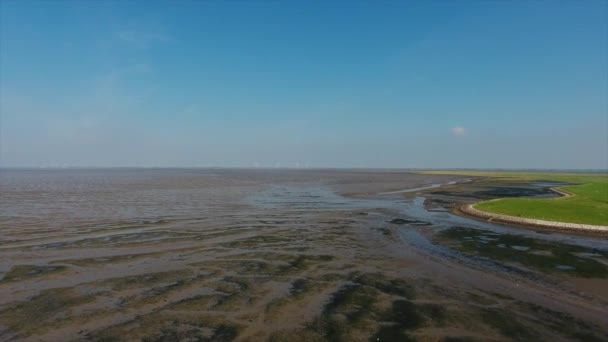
(426, 187)
(469, 211)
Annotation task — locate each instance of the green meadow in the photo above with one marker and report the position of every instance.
(588, 205)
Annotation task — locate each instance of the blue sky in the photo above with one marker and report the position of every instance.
(445, 84)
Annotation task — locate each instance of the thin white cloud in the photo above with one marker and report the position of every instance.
(459, 131)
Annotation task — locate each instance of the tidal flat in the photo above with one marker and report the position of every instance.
(285, 255)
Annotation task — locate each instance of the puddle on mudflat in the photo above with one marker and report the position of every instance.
(313, 198)
(432, 186)
(565, 267)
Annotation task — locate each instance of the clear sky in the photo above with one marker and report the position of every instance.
(429, 84)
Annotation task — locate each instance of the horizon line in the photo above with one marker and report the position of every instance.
(58, 168)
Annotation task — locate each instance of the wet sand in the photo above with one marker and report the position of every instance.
(255, 255)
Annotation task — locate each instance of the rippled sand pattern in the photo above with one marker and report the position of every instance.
(222, 255)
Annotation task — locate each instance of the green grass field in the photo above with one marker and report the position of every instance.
(589, 205)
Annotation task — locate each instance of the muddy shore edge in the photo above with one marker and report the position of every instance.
(579, 228)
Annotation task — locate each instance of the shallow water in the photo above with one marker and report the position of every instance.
(323, 199)
(432, 186)
(314, 198)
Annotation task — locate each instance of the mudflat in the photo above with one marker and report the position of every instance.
(284, 255)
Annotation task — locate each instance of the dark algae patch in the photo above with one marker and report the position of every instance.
(352, 301)
(356, 310)
(373, 307)
(410, 222)
(348, 311)
(507, 325)
(286, 265)
(401, 317)
(396, 287)
(404, 317)
(546, 256)
(21, 272)
(42, 310)
(299, 286)
(436, 312)
(163, 328)
(223, 333)
(574, 328)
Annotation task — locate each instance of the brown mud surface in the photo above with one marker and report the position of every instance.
(267, 255)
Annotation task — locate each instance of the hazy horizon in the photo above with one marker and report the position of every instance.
(293, 168)
(412, 85)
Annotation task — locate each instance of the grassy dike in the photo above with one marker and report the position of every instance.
(587, 205)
